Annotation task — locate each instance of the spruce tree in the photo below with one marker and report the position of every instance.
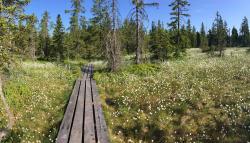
(159, 42)
(235, 37)
(75, 43)
(218, 35)
(139, 14)
(100, 25)
(128, 32)
(179, 11)
(32, 36)
(203, 38)
(44, 39)
(10, 12)
(194, 38)
(58, 39)
(198, 39)
(244, 33)
(191, 34)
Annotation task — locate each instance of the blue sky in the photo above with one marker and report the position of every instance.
(232, 11)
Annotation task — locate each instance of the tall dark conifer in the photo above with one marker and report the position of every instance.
(58, 37)
(235, 37)
(75, 33)
(44, 44)
(203, 36)
(244, 33)
(179, 11)
(100, 24)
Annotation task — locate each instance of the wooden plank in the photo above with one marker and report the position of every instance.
(101, 127)
(85, 72)
(63, 135)
(91, 71)
(77, 127)
(89, 130)
(84, 69)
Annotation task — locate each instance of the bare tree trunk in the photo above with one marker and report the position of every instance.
(113, 47)
(138, 48)
(32, 48)
(178, 28)
(4, 132)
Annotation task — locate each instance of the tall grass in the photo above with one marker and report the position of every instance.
(37, 94)
(198, 99)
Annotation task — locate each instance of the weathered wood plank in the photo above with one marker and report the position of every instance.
(77, 127)
(101, 127)
(89, 130)
(63, 135)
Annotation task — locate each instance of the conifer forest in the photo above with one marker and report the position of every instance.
(159, 81)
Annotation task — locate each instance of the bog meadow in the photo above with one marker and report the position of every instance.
(159, 81)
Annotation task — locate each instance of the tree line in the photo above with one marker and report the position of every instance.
(105, 36)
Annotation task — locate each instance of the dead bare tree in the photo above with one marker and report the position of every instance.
(113, 41)
(5, 132)
(139, 14)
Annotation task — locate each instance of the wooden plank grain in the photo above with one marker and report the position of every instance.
(89, 127)
(63, 135)
(76, 135)
(101, 127)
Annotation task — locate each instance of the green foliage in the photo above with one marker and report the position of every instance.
(138, 14)
(58, 39)
(142, 69)
(44, 38)
(128, 32)
(160, 44)
(74, 41)
(218, 35)
(37, 94)
(244, 33)
(179, 11)
(235, 37)
(203, 39)
(183, 101)
(9, 12)
(100, 25)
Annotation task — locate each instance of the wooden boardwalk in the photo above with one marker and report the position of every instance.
(83, 120)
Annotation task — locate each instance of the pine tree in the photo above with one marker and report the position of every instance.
(21, 37)
(32, 36)
(75, 43)
(190, 34)
(159, 42)
(58, 39)
(179, 11)
(244, 33)
(194, 38)
(203, 40)
(128, 32)
(189, 26)
(44, 43)
(198, 39)
(218, 35)
(139, 14)
(10, 11)
(100, 25)
(235, 37)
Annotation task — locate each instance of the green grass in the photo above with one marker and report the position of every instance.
(197, 99)
(37, 93)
